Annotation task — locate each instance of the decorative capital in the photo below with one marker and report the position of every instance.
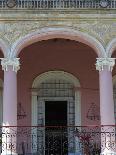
(101, 62)
(14, 62)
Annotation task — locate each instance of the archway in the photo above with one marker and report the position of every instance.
(55, 87)
(65, 33)
(58, 55)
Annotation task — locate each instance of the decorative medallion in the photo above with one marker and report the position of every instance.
(11, 3)
(104, 3)
(30, 4)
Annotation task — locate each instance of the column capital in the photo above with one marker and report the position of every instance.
(101, 62)
(14, 62)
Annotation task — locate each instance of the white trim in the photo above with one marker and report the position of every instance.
(44, 99)
(77, 108)
(68, 99)
(55, 74)
(57, 32)
(34, 119)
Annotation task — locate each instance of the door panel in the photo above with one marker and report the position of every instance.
(56, 141)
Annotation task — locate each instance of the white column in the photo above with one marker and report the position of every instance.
(10, 67)
(105, 66)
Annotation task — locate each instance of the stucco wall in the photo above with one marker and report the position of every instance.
(70, 56)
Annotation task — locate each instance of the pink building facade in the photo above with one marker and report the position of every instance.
(58, 74)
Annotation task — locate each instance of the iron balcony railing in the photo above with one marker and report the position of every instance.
(57, 4)
(55, 140)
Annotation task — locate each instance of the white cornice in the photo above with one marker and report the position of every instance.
(30, 15)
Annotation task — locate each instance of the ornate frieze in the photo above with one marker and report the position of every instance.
(101, 62)
(99, 26)
(14, 62)
(102, 31)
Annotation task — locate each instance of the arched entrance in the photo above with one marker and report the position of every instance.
(55, 103)
(57, 54)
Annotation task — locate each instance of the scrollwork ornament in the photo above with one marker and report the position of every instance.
(101, 62)
(104, 3)
(11, 3)
(14, 62)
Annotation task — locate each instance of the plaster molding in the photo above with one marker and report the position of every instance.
(14, 62)
(111, 47)
(101, 62)
(61, 32)
(55, 74)
(101, 32)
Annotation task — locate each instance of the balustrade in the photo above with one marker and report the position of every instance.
(55, 139)
(57, 4)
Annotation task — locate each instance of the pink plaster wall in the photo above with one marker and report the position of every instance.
(70, 56)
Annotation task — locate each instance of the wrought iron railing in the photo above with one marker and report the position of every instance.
(55, 140)
(57, 4)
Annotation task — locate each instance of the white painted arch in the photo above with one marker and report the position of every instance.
(58, 32)
(56, 75)
(111, 47)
